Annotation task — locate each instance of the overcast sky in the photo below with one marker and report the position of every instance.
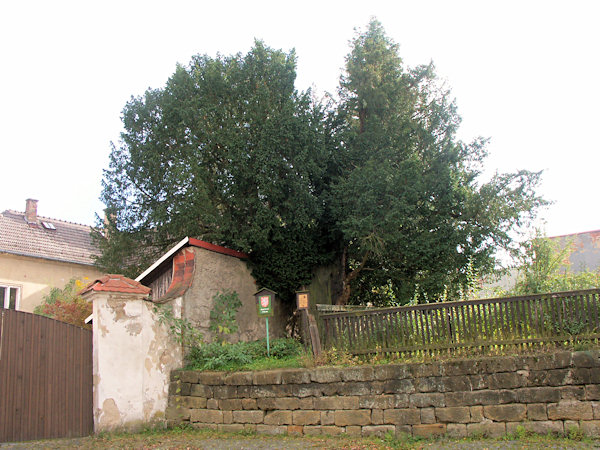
(524, 73)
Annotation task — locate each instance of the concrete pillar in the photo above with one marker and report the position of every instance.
(133, 355)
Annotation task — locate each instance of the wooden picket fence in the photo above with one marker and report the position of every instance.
(449, 326)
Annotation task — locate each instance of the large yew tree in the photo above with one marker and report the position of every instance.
(412, 212)
(228, 151)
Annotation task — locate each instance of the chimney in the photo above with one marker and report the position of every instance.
(31, 212)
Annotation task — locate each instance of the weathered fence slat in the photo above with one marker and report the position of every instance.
(521, 321)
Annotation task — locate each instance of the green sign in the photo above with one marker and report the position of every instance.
(265, 305)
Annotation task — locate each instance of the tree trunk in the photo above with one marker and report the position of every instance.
(346, 290)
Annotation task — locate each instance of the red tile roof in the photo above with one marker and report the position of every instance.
(116, 283)
(69, 242)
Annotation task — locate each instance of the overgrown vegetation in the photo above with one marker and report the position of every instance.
(544, 267)
(376, 182)
(65, 305)
(222, 316)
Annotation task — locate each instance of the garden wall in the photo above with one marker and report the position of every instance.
(493, 396)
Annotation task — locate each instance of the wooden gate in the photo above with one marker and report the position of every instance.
(45, 378)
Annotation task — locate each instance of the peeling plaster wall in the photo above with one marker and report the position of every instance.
(133, 356)
(215, 273)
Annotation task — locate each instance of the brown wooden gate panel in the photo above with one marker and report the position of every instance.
(45, 378)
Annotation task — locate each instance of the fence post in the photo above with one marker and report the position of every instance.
(133, 356)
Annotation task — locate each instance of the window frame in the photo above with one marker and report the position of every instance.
(5, 302)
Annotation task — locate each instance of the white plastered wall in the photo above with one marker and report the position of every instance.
(133, 357)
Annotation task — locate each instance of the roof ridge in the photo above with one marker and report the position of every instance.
(49, 218)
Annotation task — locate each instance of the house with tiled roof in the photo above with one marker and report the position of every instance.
(39, 253)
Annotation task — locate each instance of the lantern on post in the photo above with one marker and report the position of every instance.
(264, 307)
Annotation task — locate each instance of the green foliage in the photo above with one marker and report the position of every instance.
(219, 356)
(222, 316)
(412, 213)
(181, 329)
(229, 152)
(544, 267)
(66, 305)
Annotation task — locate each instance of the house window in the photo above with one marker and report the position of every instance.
(10, 297)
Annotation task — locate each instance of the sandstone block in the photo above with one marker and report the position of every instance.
(556, 377)
(377, 401)
(581, 375)
(195, 402)
(211, 378)
(505, 413)
(212, 403)
(188, 376)
(401, 416)
(458, 383)
(205, 426)
(590, 427)
(540, 427)
(496, 365)
(224, 392)
(401, 401)
(570, 410)
(306, 390)
(489, 429)
(278, 403)
(478, 382)
(352, 417)
(432, 369)
(360, 373)
(249, 416)
(238, 379)
(506, 380)
(201, 390)
(596, 409)
(267, 377)
(306, 403)
(180, 388)
(231, 427)
(456, 430)
(177, 413)
(572, 392)
(592, 392)
(250, 427)
(430, 384)
(295, 430)
(230, 404)
(376, 387)
(464, 367)
(354, 388)
(537, 411)
(313, 430)
(227, 417)
(326, 375)
(476, 413)
(538, 395)
(353, 430)
(391, 372)
(327, 417)
(378, 430)
(453, 414)
(493, 397)
(428, 415)
(270, 429)
(249, 403)
(295, 376)
(421, 400)
(377, 416)
(278, 418)
(404, 386)
(429, 430)
(586, 359)
(336, 402)
(306, 417)
(332, 430)
(206, 416)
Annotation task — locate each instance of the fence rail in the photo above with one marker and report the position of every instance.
(526, 320)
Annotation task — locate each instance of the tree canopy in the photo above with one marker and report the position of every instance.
(230, 152)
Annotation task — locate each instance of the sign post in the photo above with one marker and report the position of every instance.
(264, 304)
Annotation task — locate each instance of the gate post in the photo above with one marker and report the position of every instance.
(133, 355)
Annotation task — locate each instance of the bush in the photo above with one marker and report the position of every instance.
(222, 356)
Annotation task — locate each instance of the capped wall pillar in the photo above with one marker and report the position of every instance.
(133, 355)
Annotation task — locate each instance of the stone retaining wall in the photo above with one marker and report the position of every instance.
(546, 393)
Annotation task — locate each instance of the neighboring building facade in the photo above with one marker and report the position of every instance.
(39, 253)
(193, 271)
(584, 250)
